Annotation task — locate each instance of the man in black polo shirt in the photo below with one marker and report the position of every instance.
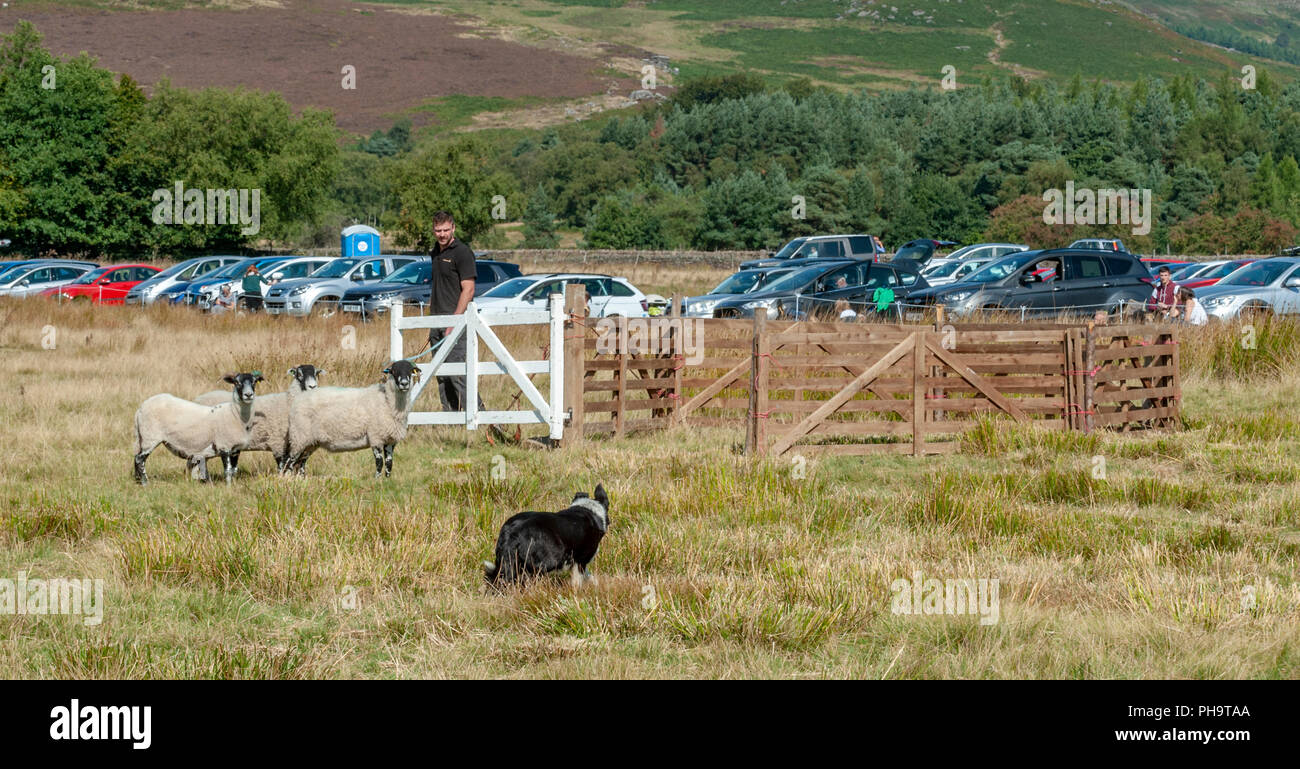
(452, 282)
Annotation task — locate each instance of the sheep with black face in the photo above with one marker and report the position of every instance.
(269, 430)
(352, 418)
(196, 432)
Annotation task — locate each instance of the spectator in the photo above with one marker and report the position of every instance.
(844, 311)
(1193, 312)
(1100, 318)
(225, 301)
(252, 288)
(1162, 301)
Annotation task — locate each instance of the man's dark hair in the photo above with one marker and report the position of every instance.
(1164, 270)
(443, 217)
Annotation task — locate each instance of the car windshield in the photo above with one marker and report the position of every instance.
(230, 270)
(1221, 271)
(8, 275)
(943, 270)
(969, 268)
(1257, 274)
(795, 279)
(788, 251)
(1185, 273)
(188, 266)
(93, 275)
(999, 269)
(739, 283)
(511, 288)
(412, 274)
(336, 269)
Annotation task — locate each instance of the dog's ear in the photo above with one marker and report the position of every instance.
(601, 496)
(580, 495)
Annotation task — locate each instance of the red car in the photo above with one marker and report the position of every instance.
(106, 285)
(1214, 274)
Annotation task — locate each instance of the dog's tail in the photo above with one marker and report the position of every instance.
(490, 571)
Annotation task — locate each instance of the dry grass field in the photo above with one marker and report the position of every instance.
(1179, 562)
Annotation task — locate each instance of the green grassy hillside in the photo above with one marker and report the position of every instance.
(884, 43)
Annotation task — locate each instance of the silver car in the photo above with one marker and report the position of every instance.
(321, 291)
(146, 292)
(1268, 286)
(28, 279)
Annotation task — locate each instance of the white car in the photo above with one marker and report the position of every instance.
(953, 271)
(609, 296)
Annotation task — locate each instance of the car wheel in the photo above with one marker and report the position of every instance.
(326, 307)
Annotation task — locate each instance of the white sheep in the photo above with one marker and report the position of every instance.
(193, 431)
(350, 418)
(269, 429)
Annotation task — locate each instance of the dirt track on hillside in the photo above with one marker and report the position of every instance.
(300, 48)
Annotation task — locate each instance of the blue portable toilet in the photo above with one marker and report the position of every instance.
(360, 240)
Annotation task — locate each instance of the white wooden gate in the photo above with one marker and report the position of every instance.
(477, 326)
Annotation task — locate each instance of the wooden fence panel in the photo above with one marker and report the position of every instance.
(864, 388)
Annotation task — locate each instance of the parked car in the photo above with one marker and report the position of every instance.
(915, 253)
(818, 247)
(411, 286)
(321, 291)
(954, 271)
(288, 268)
(181, 273)
(742, 282)
(104, 285)
(815, 288)
(492, 272)
(26, 280)
(198, 288)
(1264, 287)
(408, 285)
(609, 296)
(1212, 274)
(984, 251)
(1045, 282)
(1099, 244)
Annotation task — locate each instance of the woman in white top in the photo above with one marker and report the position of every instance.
(1193, 312)
(846, 313)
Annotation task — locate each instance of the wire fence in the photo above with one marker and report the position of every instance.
(808, 307)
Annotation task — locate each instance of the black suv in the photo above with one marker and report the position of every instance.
(817, 247)
(1045, 283)
(813, 290)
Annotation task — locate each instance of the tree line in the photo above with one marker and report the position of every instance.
(729, 162)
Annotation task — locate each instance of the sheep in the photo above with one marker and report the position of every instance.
(350, 418)
(269, 430)
(194, 431)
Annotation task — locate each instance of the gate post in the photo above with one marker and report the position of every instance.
(918, 393)
(395, 350)
(756, 435)
(574, 339)
(558, 369)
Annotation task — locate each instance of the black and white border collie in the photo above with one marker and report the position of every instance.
(532, 544)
